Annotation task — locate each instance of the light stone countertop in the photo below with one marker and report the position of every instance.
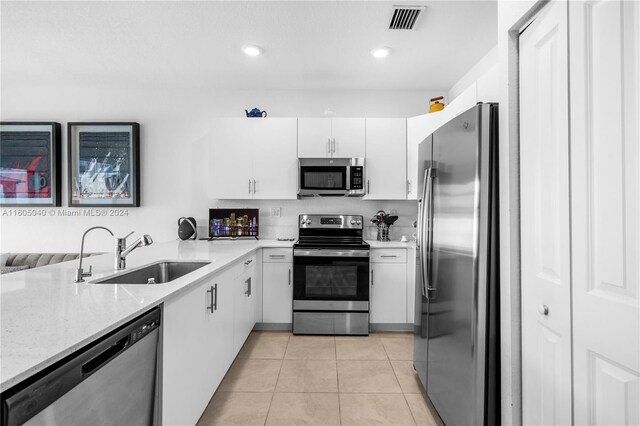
(46, 316)
(375, 244)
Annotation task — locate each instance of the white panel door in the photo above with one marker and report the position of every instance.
(348, 137)
(388, 293)
(230, 174)
(386, 159)
(275, 158)
(545, 238)
(314, 137)
(277, 296)
(605, 194)
(244, 308)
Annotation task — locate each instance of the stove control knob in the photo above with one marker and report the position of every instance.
(308, 222)
(359, 222)
(353, 222)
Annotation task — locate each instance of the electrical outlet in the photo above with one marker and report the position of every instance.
(275, 211)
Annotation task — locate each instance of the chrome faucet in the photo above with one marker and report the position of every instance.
(80, 274)
(122, 251)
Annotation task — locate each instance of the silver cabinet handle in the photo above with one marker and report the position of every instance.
(543, 310)
(333, 145)
(254, 186)
(276, 256)
(388, 255)
(328, 145)
(372, 278)
(248, 292)
(249, 186)
(214, 298)
(408, 187)
(368, 190)
(289, 276)
(248, 262)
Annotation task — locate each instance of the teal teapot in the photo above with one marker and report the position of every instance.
(255, 113)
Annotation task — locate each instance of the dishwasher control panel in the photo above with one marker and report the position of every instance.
(143, 330)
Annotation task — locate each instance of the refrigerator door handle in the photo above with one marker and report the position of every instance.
(430, 174)
(421, 231)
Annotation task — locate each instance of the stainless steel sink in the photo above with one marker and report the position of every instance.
(154, 273)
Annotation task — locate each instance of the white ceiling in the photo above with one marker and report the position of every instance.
(185, 44)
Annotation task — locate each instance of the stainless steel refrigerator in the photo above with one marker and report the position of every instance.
(456, 333)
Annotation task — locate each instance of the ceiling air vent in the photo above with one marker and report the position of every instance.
(404, 17)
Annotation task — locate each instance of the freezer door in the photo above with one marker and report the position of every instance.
(420, 318)
(455, 376)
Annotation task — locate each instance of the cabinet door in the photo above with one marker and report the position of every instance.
(386, 159)
(418, 129)
(388, 293)
(275, 159)
(244, 308)
(277, 292)
(230, 175)
(545, 224)
(605, 210)
(197, 350)
(348, 137)
(314, 137)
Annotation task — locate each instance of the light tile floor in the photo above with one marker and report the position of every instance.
(282, 379)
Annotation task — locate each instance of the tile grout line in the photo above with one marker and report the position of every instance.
(404, 395)
(335, 341)
(273, 394)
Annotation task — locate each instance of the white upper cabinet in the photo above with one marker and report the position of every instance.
(275, 159)
(253, 158)
(314, 137)
(331, 137)
(348, 137)
(385, 164)
(418, 129)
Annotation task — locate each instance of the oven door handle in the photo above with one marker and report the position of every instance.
(329, 253)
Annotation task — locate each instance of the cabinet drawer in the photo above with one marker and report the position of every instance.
(277, 255)
(246, 264)
(389, 256)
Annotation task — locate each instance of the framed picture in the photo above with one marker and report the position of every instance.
(104, 164)
(30, 164)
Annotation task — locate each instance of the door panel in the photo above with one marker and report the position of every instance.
(275, 159)
(386, 159)
(545, 238)
(452, 320)
(230, 173)
(349, 137)
(605, 191)
(314, 136)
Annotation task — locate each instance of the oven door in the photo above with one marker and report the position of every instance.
(330, 279)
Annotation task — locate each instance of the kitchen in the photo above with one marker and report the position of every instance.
(101, 62)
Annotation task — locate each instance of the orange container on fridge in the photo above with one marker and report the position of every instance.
(435, 104)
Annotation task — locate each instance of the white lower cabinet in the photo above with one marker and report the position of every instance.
(388, 294)
(245, 301)
(277, 285)
(197, 347)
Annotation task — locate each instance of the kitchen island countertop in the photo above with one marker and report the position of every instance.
(45, 316)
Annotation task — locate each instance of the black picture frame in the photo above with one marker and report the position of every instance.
(23, 146)
(104, 164)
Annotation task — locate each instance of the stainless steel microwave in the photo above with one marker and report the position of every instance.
(336, 177)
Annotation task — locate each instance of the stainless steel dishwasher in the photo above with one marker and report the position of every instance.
(111, 381)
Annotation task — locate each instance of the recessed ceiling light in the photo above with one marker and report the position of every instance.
(251, 50)
(381, 52)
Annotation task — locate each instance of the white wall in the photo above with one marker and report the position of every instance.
(482, 67)
(174, 179)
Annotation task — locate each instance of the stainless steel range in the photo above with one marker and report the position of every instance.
(330, 276)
